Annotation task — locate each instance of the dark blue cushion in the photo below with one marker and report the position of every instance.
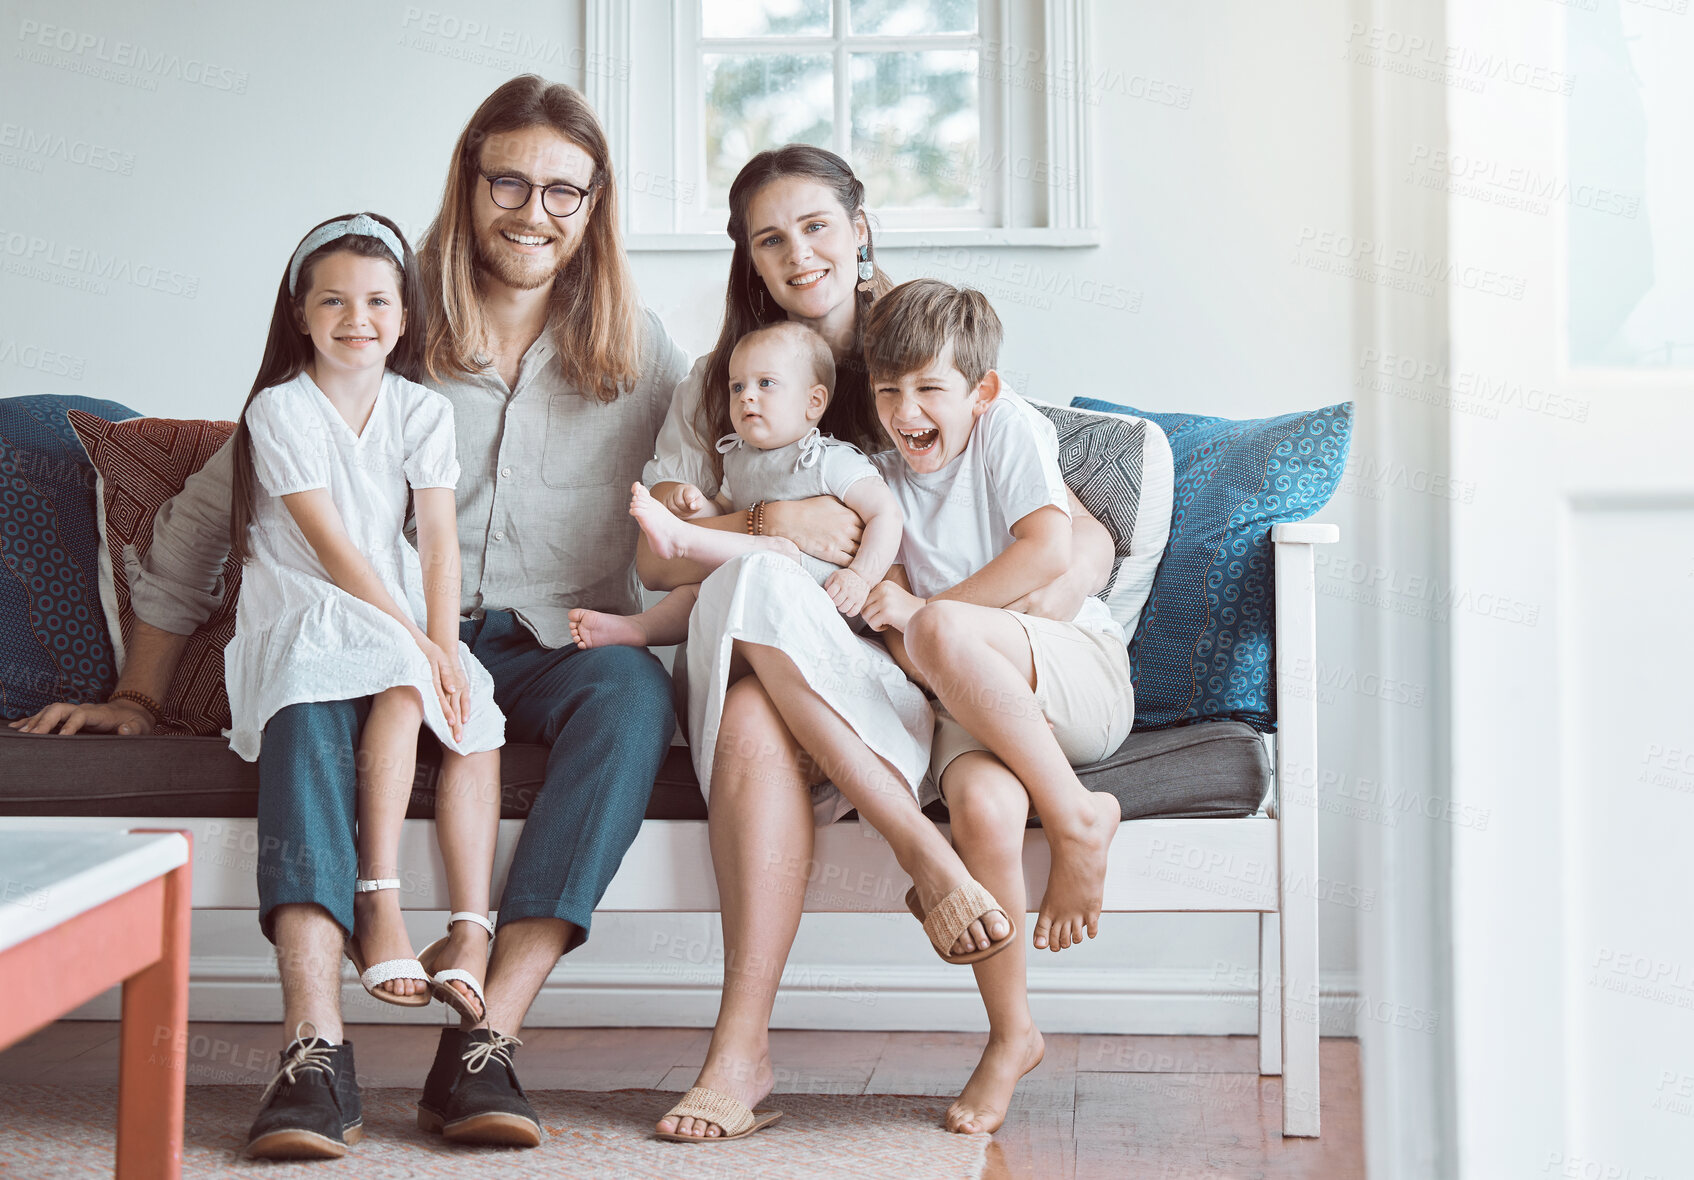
(1203, 649)
(53, 641)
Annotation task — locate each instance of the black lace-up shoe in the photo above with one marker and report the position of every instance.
(472, 1094)
(311, 1109)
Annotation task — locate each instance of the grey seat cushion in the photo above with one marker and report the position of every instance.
(1216, 769)
(103, 774)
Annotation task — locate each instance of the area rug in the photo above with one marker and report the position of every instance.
(68, 1131)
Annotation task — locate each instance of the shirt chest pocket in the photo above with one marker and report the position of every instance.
(586, 443)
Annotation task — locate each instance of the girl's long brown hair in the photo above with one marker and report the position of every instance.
(748, 303)
(288, 349)
(595, 316)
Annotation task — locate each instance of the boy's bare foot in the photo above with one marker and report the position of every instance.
(593, 628)
(1076, 884)
(981, 1107)
(466, 949)
(381, 930)
(746, 1077)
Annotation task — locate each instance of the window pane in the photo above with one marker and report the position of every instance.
(917, 129)
(899, 18)
(760, 100)
(765, 18)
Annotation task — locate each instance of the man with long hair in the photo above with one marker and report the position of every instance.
(559, 381)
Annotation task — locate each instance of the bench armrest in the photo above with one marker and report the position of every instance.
(1296, 798)
(1305, 532)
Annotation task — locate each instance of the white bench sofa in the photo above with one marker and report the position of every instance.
(1265, 862)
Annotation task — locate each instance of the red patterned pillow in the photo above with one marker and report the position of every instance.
(142, 463)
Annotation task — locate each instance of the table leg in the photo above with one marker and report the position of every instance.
(153, 1051)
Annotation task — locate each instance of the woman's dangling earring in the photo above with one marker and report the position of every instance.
(758, 300)
(867, 268)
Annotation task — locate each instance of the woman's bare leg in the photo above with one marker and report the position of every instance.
(869, 783)
(761, 832)
(388, 755)
(467, 820)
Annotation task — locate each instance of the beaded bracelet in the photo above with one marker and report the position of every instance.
(139, 698)
(756, 521)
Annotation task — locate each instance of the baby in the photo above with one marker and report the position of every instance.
(781, 377)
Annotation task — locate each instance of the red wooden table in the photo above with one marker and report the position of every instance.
(83, 911)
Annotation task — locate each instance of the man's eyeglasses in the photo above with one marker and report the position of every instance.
(512, 192)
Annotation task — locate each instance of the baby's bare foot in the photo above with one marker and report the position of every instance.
(667, 536)
(593, 628)
(981, 1107)
(1076, 884)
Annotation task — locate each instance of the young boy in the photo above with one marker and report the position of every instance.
(1021, 699)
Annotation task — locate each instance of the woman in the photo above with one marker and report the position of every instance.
(801, 238)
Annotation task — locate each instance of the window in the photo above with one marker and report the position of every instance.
(963, 117)
(894, 86)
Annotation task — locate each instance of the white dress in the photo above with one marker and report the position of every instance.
(767, 599)
(298, 636)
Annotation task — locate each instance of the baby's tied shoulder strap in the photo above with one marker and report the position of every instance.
(810, 449)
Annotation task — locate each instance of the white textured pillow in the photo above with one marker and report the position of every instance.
(1120, 467)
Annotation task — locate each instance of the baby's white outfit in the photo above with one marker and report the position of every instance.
(816, 465)
(300, 637)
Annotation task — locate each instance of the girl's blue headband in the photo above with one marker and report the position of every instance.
(364, 225)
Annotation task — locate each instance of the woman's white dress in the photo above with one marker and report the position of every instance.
(299, 637)
(766, 599)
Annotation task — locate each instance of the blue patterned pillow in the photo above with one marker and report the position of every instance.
(1203, 649)
(53, 641)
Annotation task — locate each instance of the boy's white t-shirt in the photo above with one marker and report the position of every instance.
(960, 518)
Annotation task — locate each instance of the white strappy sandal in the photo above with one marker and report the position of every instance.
(377, 974)
(439, 980)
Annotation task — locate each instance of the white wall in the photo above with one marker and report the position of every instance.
(341, 107)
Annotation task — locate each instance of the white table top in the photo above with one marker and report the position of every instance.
(49, 877)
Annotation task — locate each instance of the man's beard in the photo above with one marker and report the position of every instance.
(518, 272)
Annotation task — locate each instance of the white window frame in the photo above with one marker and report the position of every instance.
(633, 49)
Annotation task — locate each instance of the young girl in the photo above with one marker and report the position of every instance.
(334, 434)
(781, 377)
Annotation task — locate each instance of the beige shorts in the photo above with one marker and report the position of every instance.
(1082, 687)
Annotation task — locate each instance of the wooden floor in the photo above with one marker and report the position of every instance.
(1174, 1108)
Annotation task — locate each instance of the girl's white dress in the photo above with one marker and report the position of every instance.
(298, 636)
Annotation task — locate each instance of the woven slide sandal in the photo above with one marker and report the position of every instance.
(953, 915)
(732, 1116)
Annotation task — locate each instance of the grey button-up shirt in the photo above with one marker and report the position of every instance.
(543, 499)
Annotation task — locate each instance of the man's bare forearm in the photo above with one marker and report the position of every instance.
(150, 660)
